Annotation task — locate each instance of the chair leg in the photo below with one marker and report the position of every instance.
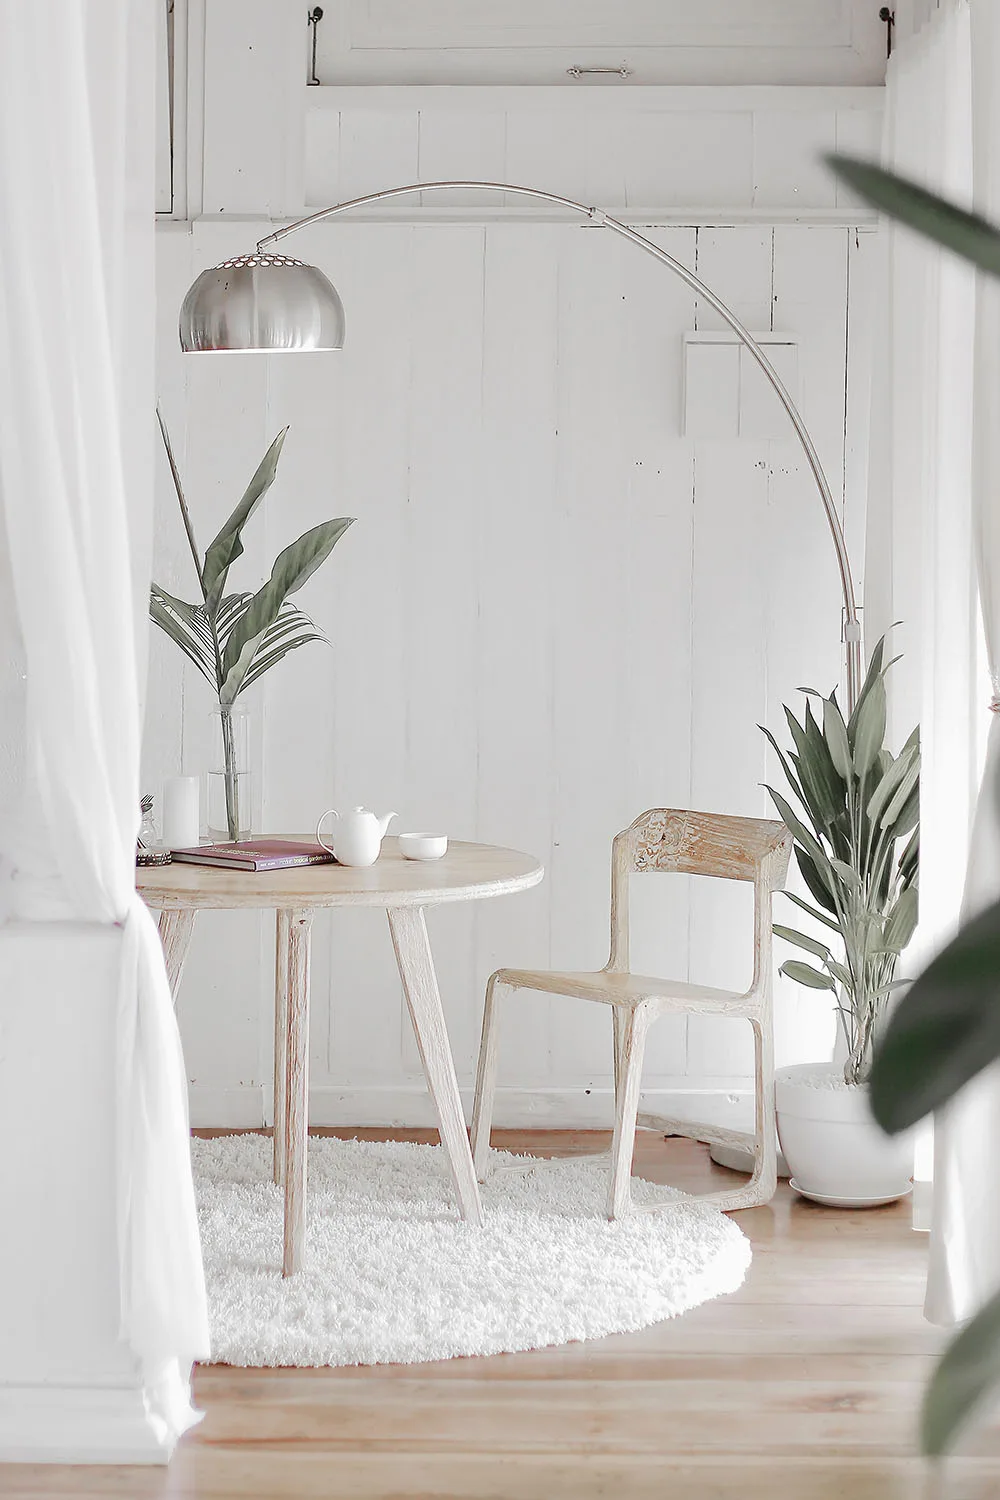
(486, 1082)
(632, 1030)
(761, 1185)
(619, 1018)
(764, 1181)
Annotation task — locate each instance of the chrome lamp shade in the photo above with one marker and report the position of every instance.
(261, 304)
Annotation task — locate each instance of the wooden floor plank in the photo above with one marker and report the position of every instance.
(803, 1385)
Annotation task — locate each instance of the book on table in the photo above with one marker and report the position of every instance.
(257, 854)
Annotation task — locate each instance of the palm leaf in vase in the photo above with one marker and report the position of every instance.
(233, 639)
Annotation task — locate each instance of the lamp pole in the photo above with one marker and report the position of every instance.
(852, 624)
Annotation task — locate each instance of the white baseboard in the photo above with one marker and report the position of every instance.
(720, 1102)
(78, 1425)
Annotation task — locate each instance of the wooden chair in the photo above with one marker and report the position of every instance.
(694, 843)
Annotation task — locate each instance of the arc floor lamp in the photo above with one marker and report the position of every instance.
(268, 303)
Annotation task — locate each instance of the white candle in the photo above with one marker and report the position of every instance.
(181, 812)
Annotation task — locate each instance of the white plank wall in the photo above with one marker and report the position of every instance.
(753, 150)
(553, 611)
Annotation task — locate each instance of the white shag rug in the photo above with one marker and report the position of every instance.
(393, 1276)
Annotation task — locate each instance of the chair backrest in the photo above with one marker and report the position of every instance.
(697, 843)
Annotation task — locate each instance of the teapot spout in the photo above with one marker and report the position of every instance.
(383, 823)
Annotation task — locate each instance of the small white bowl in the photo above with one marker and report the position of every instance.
(422, 845)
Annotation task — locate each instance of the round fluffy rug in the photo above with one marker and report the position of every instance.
(395, 1277)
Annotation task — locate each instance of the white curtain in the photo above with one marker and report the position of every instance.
(965, 1239)
(77, 85)
(934, 478)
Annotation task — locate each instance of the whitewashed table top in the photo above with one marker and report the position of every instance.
(468, 872)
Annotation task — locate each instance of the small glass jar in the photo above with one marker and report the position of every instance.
(149, 850)
(229, 783)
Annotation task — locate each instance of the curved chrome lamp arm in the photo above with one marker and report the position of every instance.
(852, 625)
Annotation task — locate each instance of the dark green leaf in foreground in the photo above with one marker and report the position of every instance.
(944, 1031)
(966, 1373)
(968, 235)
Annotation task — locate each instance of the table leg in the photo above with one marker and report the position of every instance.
(416, 969)
(175, 928)
(296, 1090)
(280, 1040)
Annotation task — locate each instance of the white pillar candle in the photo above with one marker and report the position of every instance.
(181, 812)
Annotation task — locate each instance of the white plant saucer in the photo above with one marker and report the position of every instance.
(829, 1202)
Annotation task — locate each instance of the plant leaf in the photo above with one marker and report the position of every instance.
(944, 1031)
(292, 629)
(966, 1373)
(799, 829)
(902, 921)
(869, 733)
(871, 677)
(818, 915)
(903, 793)
(291, 569)
(228, 545)
(844, 975)
(811, 945)
(848, 874)
(909, 860)
(789, 774)
(886, 788)
(804, 974)
(187, 627)
(968, 235)
(835, 734)
(820, 775)
(817, 886)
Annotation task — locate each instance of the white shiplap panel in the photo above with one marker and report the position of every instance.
(810, 593)
(441, 579)
(672, 158)
(378, 149)
(528, 444)
(546, 151)
(516, 503)
(656, 768)
(591, 801)
(736, 263)
(732, 578)
(322, 157)
(788, 165)
(461, 148)
(859, 133)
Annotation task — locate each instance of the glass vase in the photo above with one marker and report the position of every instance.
(229, 787)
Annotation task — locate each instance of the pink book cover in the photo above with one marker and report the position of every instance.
(257, 854)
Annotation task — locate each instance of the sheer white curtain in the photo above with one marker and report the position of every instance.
(76, 402)
(965, 1241)
(934, 482)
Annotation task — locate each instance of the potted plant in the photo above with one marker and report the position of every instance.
(233, 639)
(856, 844)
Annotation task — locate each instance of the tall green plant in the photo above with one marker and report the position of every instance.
(233, 639)
(856, 802)
(946, 1028)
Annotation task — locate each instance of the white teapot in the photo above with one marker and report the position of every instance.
(357, 838)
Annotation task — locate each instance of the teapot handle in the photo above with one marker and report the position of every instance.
(331, 812)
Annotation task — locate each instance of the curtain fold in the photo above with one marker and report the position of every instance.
(965, 1239)
(933, 555)
(76, 403)
(919, 573)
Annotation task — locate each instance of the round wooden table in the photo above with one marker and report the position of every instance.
(468, 872)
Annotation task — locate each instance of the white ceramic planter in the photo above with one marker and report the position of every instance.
(836, 1153)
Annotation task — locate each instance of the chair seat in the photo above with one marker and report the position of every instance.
(625, 989)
